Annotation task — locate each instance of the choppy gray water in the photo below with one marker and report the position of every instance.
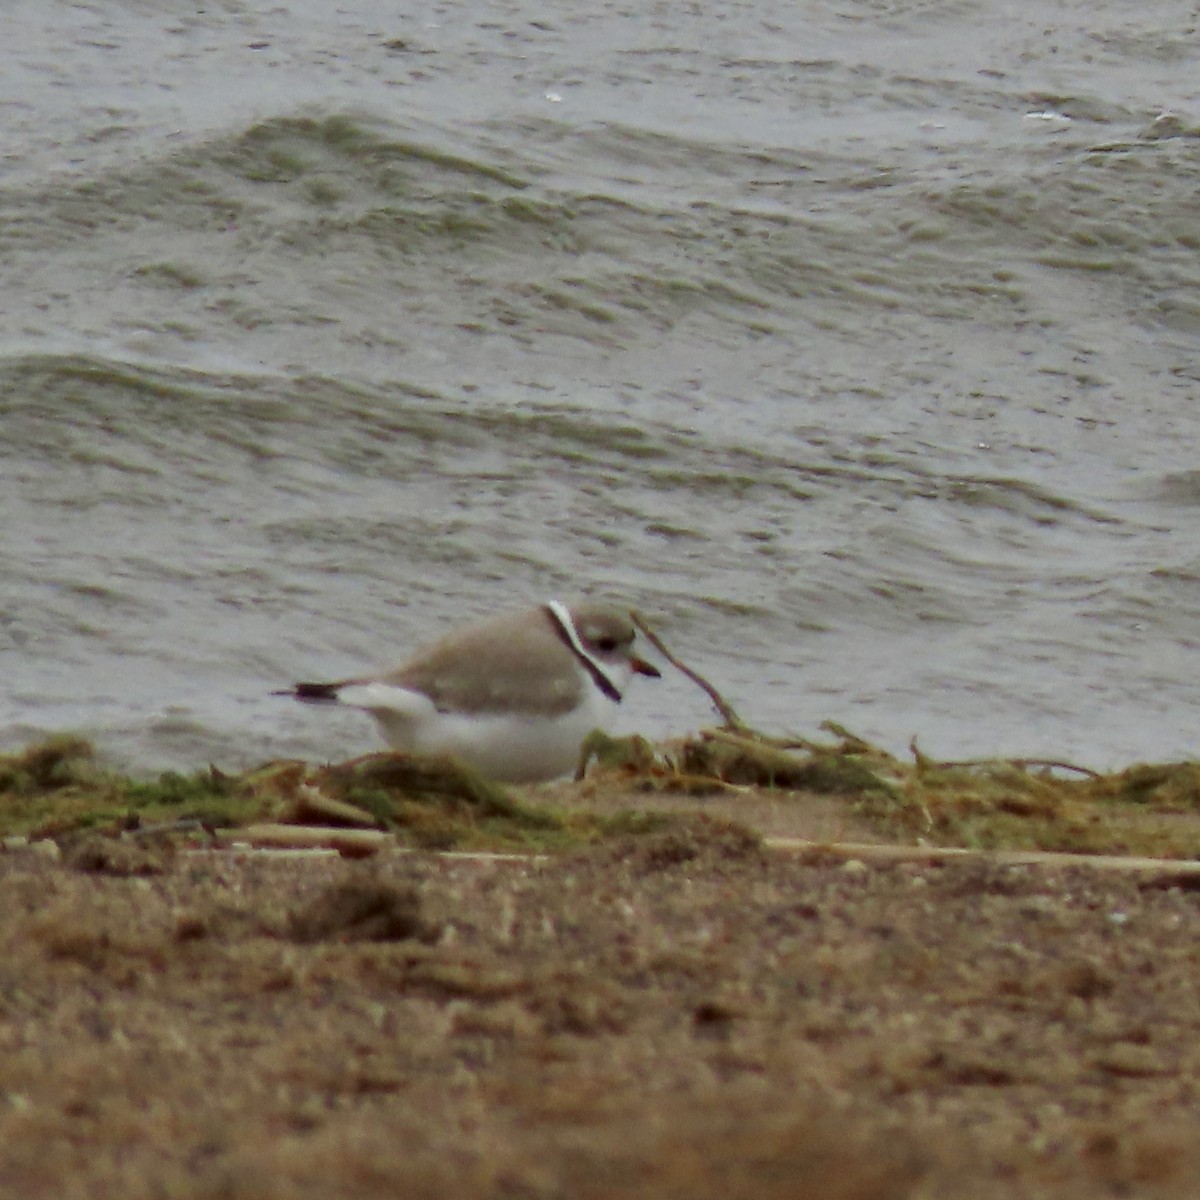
(858, 343)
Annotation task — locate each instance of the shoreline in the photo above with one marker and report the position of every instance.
(839, 790)
(654, 982)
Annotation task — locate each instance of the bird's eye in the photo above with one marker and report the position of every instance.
(606, 645)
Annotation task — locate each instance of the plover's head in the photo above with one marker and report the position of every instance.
(608, 634)
(603, 639)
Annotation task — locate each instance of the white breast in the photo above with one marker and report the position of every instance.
(510, 747)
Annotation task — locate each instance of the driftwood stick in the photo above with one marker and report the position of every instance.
(723, 707)
(313, 807)
(1157, 872)
(350, 843)
(871, 852)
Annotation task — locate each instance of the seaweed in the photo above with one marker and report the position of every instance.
(61, 789)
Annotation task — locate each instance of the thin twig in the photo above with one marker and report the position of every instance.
(723, 707)
(1019, 762)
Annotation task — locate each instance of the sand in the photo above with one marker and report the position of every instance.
(683, 1014)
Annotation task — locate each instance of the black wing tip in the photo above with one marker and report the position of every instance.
(316, 692)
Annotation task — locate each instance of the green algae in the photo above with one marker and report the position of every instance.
(1015, 804)
(60, 788)
(847, 768)
(436, 803)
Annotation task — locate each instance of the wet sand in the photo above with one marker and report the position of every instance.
(684, 1014)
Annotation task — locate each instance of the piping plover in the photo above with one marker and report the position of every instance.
(513, 696)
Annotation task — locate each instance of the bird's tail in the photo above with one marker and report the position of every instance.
(313, 692)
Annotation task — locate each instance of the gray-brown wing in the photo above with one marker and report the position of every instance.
(510, 662)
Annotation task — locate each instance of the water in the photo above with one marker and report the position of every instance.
(856, 344)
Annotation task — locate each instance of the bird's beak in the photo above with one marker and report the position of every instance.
(642, 667)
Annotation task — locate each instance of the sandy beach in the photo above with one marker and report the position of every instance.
(683, 1011)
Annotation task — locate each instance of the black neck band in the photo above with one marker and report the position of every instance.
(601, 680)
